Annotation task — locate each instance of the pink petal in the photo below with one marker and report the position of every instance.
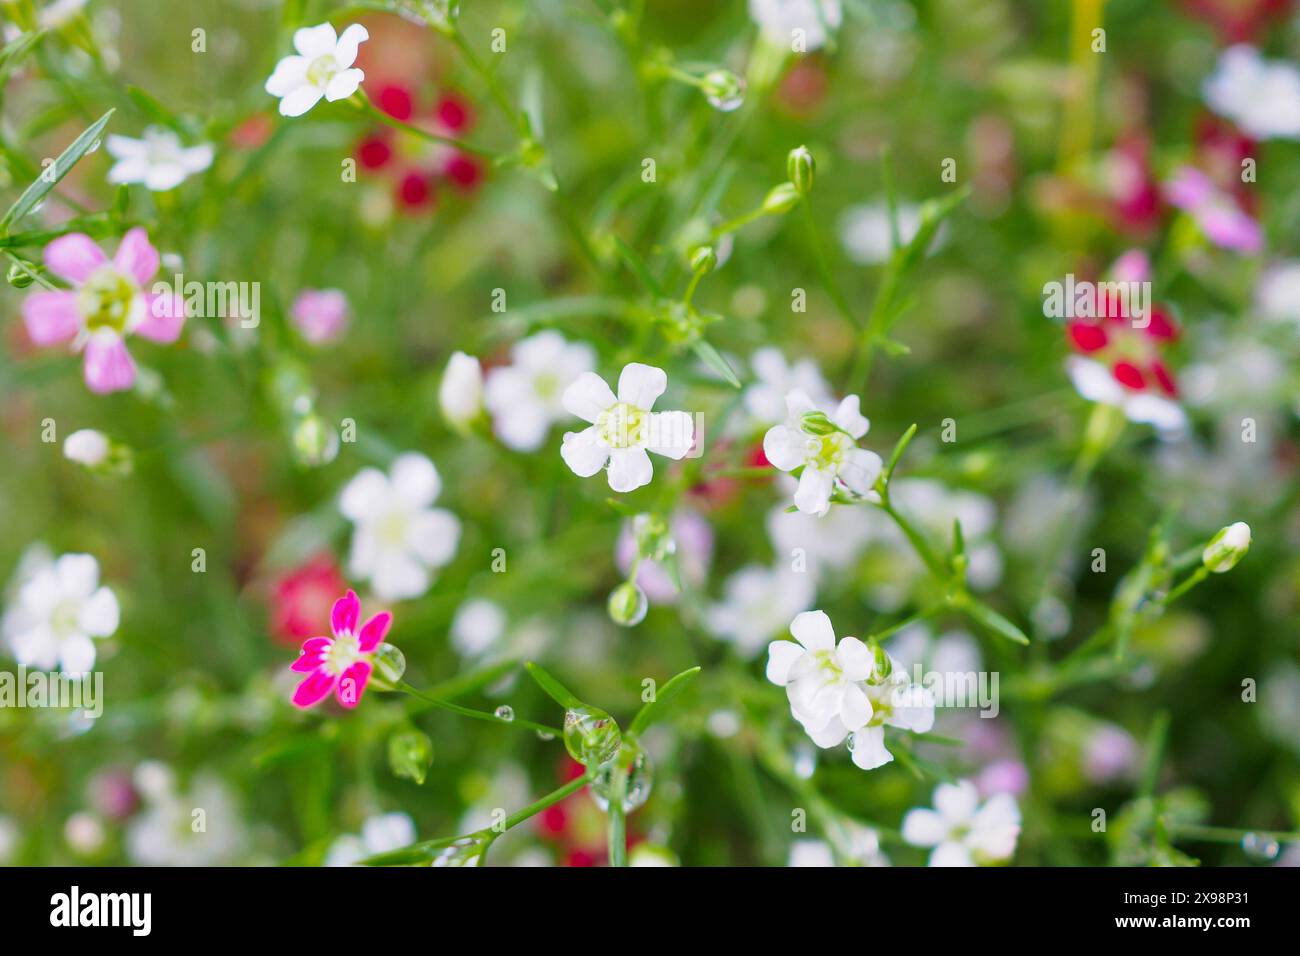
(136, 258)
(343, 618)
(310, 657)
(164, 316)
(51, 317)
(74, 257)
(313, 689)
(108, 367)
(374, 630)
(352, 684)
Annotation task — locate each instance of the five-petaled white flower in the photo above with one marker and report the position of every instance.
(803, 25)
(59, 609)
(623, 429)
(962, 832)
(823, 681)
(825, 446)
(158, 160)
(524, 397)
(1261, 96)
(398, 539)
(775, 378)
(322, 68)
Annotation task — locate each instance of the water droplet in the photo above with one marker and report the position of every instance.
(628, 604)
(633, 761)
(504, 712)
(1260, 846)
(724, 90)
(467, 851)
(545, 735)
(591, 736)
(389, 663)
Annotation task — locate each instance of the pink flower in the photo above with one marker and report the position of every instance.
(1217, 214)
(340, 663)
(320, 314)
(107, 303)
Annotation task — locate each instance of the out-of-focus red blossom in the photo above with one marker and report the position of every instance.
(1220, 149)
(576, 826)
(1132, 186)
(417, 166)
(252, 132)
(1237, 21)
(718, 491)
(803, 88)
(1132, 354)
(303, 598)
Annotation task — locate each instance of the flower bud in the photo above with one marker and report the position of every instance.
(703, 259)
(461, 393)
(86, 447)
(781, 199)
(723, 89)
(817, 423)
(1227, 547)
(882, 666)
(410, 753)
(800, 167)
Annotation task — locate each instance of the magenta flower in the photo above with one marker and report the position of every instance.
(1217, 214)
(320, 314)
(107, 303)
(340, 663)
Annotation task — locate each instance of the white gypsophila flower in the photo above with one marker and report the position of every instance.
(86, 447)
(961, 830)
(322, 68)
(398, 540)
(1261, 96)
(824, 681)
(59, 610)
(525, 397)
(1095, 382)
(1277, 293)
(775, 378)
(623, 429)
(779, 20)
(460, 393)
(865, 233)
(821, 545)
(379, 834)
(200, 828)
(855, 845)
(477, 627)
(757, 604)
(825, 447)
(157, 160)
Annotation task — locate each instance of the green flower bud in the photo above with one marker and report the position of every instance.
(800, 167)
(1227, 547)
(703, 259)
(410, 753)
(882, 665)
(781, 199)
(817, 423)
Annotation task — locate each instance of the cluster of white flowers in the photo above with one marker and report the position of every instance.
(962, 831)
(1261, 96)
(58, 610)
(382, 833)
(201, 827)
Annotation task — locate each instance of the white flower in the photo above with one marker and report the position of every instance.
(158, 160)
(1261, 96)
(166, 833)
(86, 447)
(398, 538)
(525, 397)
(1095, 382)
(460, 394)
(1277, 293)
(855, 844)
(830, 543)
(825, 447)
(477, 627)
(321, 68)
(823, 681)
(962, 832)
(623, 429)
(60, 607)
(765, 399)
(757, 605)
(779, 19)
(379, 834)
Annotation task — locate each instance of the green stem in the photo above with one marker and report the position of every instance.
(1195, 578)
(932, 560)
(554, 797)
(365, 106)
(475, 714)
(617, 818)
(1210, 834)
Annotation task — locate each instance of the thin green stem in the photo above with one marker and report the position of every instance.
(475, 714)
(362, 102)
(552, 798)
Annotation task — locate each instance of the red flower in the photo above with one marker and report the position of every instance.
(1238, 21)
(303, 597)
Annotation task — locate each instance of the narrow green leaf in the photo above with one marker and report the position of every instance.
(151, 107)
(37, 191)
(714, 360)
(636, 265)
(11, 54)
(899, 447)
(995, 622)
(553, 688)
(652, 711)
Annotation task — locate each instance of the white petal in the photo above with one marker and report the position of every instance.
(164, 176)
(781, 655)
(848, 417)
(35, 647)
(860, 469)
(913, 708)
(855, 710)
(856, 661)
(924, 828)
(956, 802)
(100, 615)
(198, 158)
(364, 553)
(869, 750)
(587, 397)
(129, 171)
(831, 735)
(315, 41)
(364, 494)
(798, 404)
(583, 453)
(415, 480)
(343, 84)
(784, 447)
(290, 73)
(629, 469)
(76, 654)
(522, 427)
(640, 385)
(77, 575)
(345, 51)
(671, 434)
(1165, 415)
(951, 854)
(1093, 381)
(124, 147)
(813, 630)
(813, 496)
(398, 576)
(434, 535)
(300, 100)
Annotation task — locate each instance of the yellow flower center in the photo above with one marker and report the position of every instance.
(321, 70)
(105, 300)
(622, 426)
